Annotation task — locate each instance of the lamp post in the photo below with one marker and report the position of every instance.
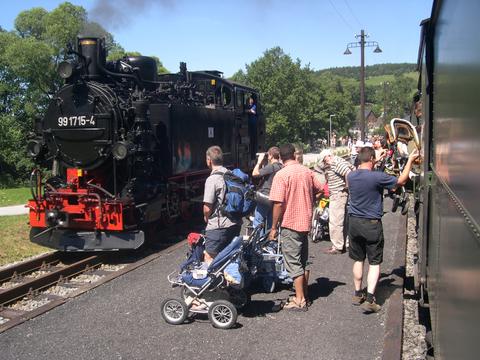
(330, 132)
(362, 44)
(385, 84)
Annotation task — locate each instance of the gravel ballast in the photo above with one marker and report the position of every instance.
(414, 344)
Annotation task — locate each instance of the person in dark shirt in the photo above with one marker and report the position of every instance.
(365, 231)
(252, 124)
(265, 171)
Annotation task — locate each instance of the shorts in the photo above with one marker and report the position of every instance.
(295, 251)
(366, 240)
(217, 239)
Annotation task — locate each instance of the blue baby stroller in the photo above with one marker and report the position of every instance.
(216, 290)
(265, 262)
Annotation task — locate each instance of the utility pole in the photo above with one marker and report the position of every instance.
(362, 44)
(330, 132)
(385, 118)
(362, 85)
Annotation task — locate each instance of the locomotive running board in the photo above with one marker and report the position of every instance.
(68, 240)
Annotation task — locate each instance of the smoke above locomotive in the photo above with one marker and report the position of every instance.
(125, 147)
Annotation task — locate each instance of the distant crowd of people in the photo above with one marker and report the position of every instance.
(286, 195)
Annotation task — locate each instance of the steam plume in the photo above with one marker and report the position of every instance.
(114, 14)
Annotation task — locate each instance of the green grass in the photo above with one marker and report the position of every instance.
(378, 80)
(17, 196)
(14, 242)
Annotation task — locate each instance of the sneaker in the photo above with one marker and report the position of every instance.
(371, 307)
(358, 300)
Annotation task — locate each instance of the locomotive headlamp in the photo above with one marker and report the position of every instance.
(51, 216)
(65, 69)
(34, 147)
(121, 149)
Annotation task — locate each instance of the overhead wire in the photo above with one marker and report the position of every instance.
(341, 16)
(353, 14)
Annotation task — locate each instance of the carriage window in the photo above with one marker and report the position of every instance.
(240, 95)
(226, 96)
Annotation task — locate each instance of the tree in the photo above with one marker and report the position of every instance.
(293, 103)
(29, 56)
(400, 96)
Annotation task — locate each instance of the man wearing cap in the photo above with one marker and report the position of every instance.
(336, 170)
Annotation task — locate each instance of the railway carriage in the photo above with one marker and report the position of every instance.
(448, 208)
(126, 146)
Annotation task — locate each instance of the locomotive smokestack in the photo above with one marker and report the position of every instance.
(93, 49)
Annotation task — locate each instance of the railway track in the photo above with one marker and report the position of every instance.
(33, 287)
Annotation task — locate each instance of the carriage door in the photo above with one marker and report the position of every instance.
(241, 130)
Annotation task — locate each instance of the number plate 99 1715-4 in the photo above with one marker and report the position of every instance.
(76, 121)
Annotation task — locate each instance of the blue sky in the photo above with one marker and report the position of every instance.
(226, 35)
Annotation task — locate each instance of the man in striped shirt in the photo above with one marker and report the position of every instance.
(336, 170)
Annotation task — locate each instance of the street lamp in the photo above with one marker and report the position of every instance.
(362, 44)
(385, 84)
(330, 132)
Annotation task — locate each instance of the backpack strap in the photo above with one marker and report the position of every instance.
(279, 167)
(220, 201)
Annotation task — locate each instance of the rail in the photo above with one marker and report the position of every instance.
(53, 275)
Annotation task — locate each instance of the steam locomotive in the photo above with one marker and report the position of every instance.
(125, 147)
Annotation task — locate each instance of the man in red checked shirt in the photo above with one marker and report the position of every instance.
(292, 194)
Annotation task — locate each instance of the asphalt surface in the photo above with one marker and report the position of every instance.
(122, 320)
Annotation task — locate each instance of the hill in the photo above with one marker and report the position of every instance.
(371, 70)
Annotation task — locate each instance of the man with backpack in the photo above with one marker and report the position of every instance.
(221, 229)
(265, 170)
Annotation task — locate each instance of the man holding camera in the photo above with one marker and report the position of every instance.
(267, 166)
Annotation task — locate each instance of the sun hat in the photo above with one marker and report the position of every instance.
(323, 154)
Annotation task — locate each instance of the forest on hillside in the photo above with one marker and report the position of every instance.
(371, 70)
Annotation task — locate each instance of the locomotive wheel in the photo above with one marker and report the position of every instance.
(172, 208)
(185, 210)
(174, 311)
(222, 314)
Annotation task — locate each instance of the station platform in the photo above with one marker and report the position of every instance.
(122, 319)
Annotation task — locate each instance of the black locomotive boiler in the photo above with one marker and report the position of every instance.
(126, 147)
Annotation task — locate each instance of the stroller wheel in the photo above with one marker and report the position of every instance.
(222, 314)
(238, 298)
(174, 311)
(317, 232)
(405, 206)
(268, 284)
(396, 202)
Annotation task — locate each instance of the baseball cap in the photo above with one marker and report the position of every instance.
(368, 144)
(359, 144)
